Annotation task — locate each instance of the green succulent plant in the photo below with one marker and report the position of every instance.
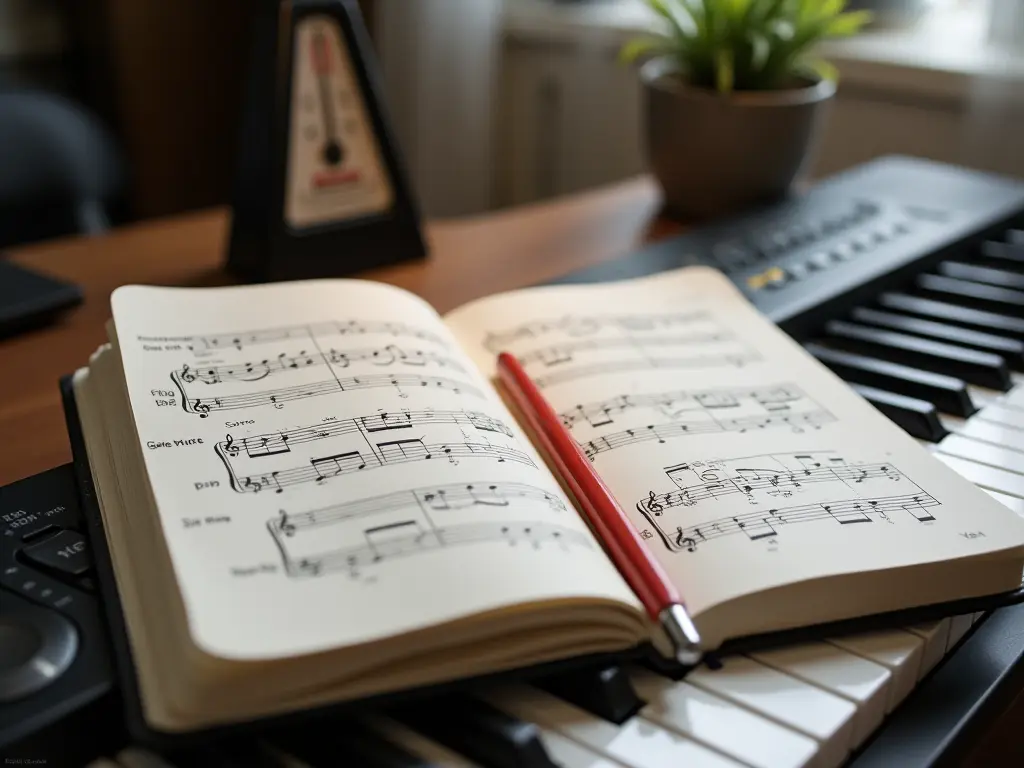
(746, 45)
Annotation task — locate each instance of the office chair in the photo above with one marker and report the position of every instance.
(60, 170)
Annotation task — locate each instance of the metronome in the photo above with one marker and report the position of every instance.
(320, 189)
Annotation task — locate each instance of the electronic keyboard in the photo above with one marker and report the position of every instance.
(904, 277)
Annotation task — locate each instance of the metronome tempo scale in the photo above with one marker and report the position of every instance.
(320, 190)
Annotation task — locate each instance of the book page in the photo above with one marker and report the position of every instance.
(329, 469)
(744, 463)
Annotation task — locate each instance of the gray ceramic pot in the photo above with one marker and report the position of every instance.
(714, 154)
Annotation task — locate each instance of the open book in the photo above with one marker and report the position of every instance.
(312, 492)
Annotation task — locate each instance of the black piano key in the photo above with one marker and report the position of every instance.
(344, 743)
(226, 754)
(953, 313)
(1011, 349)
(947, 393)
(477, 730)
(604, 691)
(976, 274)
(916, 417)
(975, 295)
(981, 368)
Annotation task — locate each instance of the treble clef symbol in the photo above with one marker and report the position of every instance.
(186, 374)
(685, 542)
(201, 408)
(652, 504)
(229, 447)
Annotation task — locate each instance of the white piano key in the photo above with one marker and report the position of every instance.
(900, 651)
(716, 722)
(134, 757)
(569, 754)
(863, 682)
(1015, 398)
(1014, 503)
(935, 635)
(1000, 414)
(637, 743)
(989, 432)
(983, 453)
(985, 476)
(958, 626)
(825, 717)
(416, 744)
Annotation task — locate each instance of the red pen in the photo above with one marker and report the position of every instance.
(622, 542)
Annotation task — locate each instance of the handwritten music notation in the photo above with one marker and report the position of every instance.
(352, 445)
(678, 413)
(572, 325)
(203, 406)
(351, 536)
(241, 339)
(249, 371)
(744, 496)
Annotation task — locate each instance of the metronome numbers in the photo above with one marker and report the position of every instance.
(335, 171)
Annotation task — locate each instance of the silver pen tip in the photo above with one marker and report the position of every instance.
(682, 633)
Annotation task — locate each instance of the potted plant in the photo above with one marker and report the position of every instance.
(735, 96)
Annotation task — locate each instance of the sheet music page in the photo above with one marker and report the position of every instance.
(743, 463)
(330, 468)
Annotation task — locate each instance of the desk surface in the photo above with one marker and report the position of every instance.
(469, 258)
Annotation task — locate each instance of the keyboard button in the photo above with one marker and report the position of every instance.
(985, 476)
(823, 716)
(798, 271)
(605, 691)
(1011, 349)
(722, 725)
(1003, 325)
(991, 432)
(981, 368)
(987, 275)
(984, 297)
(935, 635)
(1014, 503)
(983, 453)
(916, 417)
(637, 743)
(66, 553)
(477, 730)
(901, 652)
(947, 393)
(998, 414)
(820, 260)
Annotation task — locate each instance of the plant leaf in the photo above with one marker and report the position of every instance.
(847, 24)
(725, 75)
(823, 69)
(644, 47)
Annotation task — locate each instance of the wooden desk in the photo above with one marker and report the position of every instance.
(469, 258)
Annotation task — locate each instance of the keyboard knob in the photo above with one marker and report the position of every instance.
(36, 646)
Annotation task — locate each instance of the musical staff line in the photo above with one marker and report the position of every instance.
(581, 326)
(557, 354)
(277, 397)
(737, 360)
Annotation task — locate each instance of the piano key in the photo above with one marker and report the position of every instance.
(958, 627)
(637, 743)
(135, 757)
(333, 743)
(1003, 255)
(988, 275)
(863, 682)
(604, 691)
(416, 744)
(990, 432)
(901, 652)
(1015, 398)
(477, 730)
(947, 393)
(982, 368)
(983, 453)
(916, 417)
(1004, 325)
(568, 754)
(976, 295)
(825, 717)
(1011, 349)
(1008, 417)
(985, 476)
(715, 722)
(935, 635)
(1017, 505)
(1015, 236)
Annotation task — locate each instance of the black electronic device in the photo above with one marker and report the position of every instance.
(320, 189)
(56, 686)
(29, 299)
